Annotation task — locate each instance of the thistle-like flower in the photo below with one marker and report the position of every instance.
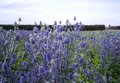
(81, 60)
(17, 37)
(60, 29)
(67, 40)
(22, 79)
(25, 64)
(60, 36)
(32, 41)
(0, 64)
(35, 30)
(4, 66)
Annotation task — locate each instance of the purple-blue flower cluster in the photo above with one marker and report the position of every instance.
(59, 56)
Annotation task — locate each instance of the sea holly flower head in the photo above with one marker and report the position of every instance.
(83, 44)
(60, 29)
(55, 54)
(32, 41)
(47, 56)
(81, 60)
(35, 30)
(35, 60)
(85, 71)
(0, 64)
(75, 66)
(27, 45)
(41, 69)
(71, 76)
(18, 36)
(67, 40)
(22, 79)
(13, 55)
(25, 64)
(4, 66)
(60, 36)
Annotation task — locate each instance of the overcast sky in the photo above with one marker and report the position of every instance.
(87, 11)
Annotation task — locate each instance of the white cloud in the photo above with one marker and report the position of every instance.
(88, 11)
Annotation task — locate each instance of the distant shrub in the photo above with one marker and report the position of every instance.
(21, 27)
(94, 27)
(115, 27)
(30, 27)
(7, 26)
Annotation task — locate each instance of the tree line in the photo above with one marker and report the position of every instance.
(71, 27)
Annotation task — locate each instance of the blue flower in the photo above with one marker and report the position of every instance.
(60, 29)
(25, 65)
(47, 56)
(90, 74)
(76, 27)
(4, 67)
(81, 26)
(75, 66)
(22, 79)
(35, 60)
(83, 44)
(71, 76)
(48, 29)
(17, 37)
(35, 30)
(85, 71)
(27, 45)
(28, 73)
(41, 69)
(60, 37)
(67, 40)
(13, 55)
(32, 41)
(81, 60)
(0, 64)
(79, 48)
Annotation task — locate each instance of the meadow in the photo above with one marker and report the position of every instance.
(58, 56)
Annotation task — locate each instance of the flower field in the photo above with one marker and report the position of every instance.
(58, 56)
